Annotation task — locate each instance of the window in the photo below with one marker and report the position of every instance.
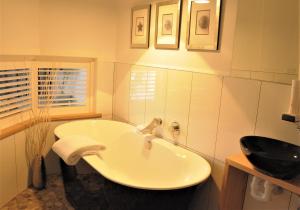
(65, 87)
(15, 91)
(59, 87)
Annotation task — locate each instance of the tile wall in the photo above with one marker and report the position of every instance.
(213, 112)
(14, 176)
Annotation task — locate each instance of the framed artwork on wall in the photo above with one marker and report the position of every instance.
(167, 29)
(203, 24)
(140, 26)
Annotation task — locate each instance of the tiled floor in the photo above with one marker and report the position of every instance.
(94, 192)
(53, 197)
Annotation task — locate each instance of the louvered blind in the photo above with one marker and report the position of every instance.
(58, 87)
(15, 93)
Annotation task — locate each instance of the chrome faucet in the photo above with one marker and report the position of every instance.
(149, 129)
(152, 131)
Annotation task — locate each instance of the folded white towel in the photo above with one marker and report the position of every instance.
(72, 148)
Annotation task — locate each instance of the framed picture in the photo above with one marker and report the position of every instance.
(203, 24)
(167, 30)
(140, 25)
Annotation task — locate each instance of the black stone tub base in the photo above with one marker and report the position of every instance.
(94, 192)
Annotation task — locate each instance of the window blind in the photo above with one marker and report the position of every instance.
(15, 95)
(59, 87)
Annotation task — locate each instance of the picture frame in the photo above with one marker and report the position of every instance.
(203, 25)
(167, 27)
(140, 26)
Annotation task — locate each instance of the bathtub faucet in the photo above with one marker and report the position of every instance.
(151, 131)
(151, 128)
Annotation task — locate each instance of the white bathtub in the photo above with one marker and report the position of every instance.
(126, 160)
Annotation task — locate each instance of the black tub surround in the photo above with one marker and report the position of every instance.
(94, 192)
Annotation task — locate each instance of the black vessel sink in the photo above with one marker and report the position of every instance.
(272, 157)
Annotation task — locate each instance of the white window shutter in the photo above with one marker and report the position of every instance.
(15, 94)
(61, 87)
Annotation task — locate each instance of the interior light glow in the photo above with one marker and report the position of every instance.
(142, 85)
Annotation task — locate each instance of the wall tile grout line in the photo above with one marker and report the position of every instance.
(258, 106)
(145, 96)
(113, 93)
(218, 123)
(189, 112)
(16, 165)
(218, 73)
(128, 102)
(165, 105)
(216, 136)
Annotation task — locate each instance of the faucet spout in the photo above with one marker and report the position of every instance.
(148, 140)
(151, 131)
(156, 122)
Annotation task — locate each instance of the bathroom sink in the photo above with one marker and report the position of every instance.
(272, 157)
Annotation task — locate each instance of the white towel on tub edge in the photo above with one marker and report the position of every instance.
(72, 148)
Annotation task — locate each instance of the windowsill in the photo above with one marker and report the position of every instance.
(21, 126)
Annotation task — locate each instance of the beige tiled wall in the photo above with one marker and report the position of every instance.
(121, 92)
(21, 163)
(8, 180)
(137, 98)
(238, 111)
(104, 80)
(14, 173)
(273, 101)
(204, 114)
(214, 112)
(156, 106)
(177, 103)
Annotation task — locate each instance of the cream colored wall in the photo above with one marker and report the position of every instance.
(78, 28)
(1, 27)
(20, 27)
(59, 27)
(265, 46)
(211, 62)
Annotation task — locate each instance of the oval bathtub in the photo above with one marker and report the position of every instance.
(128, 162)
